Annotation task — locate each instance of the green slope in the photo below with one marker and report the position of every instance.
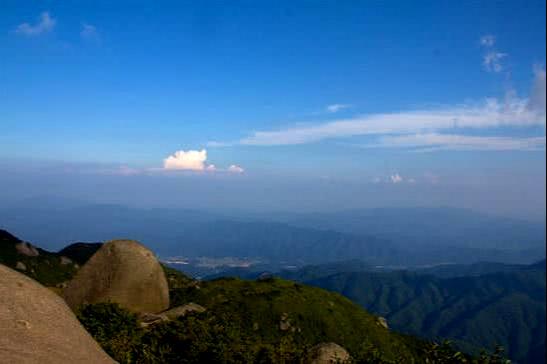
(506, 308)
(264, 321)
(313, 315)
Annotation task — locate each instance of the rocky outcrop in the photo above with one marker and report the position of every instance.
(382, 322)
(27, 249)
(124, 272)
(148, 319)
(36, 326)
(65, 260)
(329, 353)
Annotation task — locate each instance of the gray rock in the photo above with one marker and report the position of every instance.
(27, 249)
(147, 319)
(124, 272)
(65, 260)
(329, 353)
(36, 326)
(382, 322)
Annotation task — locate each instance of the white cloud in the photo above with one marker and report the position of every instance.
(334, 108)
(434, 142)
(193, 160)
(215, 144)
(235, 169)
(492, 61)
(45, 24)
(488, 40)
(429, 129)
(396, 178)
(490, 113)
(536, 103)
(89, 32)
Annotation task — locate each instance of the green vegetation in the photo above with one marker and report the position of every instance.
(505, 308)
(267, 321)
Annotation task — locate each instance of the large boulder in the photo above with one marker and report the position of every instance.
(329, 353)
(123, 272)
(36, 326)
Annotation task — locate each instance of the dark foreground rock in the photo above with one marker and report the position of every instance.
(36, 326)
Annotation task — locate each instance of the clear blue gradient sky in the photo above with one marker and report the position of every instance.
(305, 105)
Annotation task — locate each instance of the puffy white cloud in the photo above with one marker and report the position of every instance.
(235, 169)
(192, 160)
(45, 24)
(195, 160)
(337, 107)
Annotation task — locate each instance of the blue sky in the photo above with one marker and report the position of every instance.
(399, 94)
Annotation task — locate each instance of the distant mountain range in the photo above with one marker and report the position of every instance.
(387, 237)
(427, 227)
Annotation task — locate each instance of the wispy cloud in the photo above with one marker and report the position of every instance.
(396, 179)
(488, 40)
(491, 113)
(435, 142)
(492, 59)
(89, 32)
(538, 92)
(235, 169)
(334, 108)
(44, 24)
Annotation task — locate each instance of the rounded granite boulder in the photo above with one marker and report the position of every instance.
(123, 272)
(36, 326)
